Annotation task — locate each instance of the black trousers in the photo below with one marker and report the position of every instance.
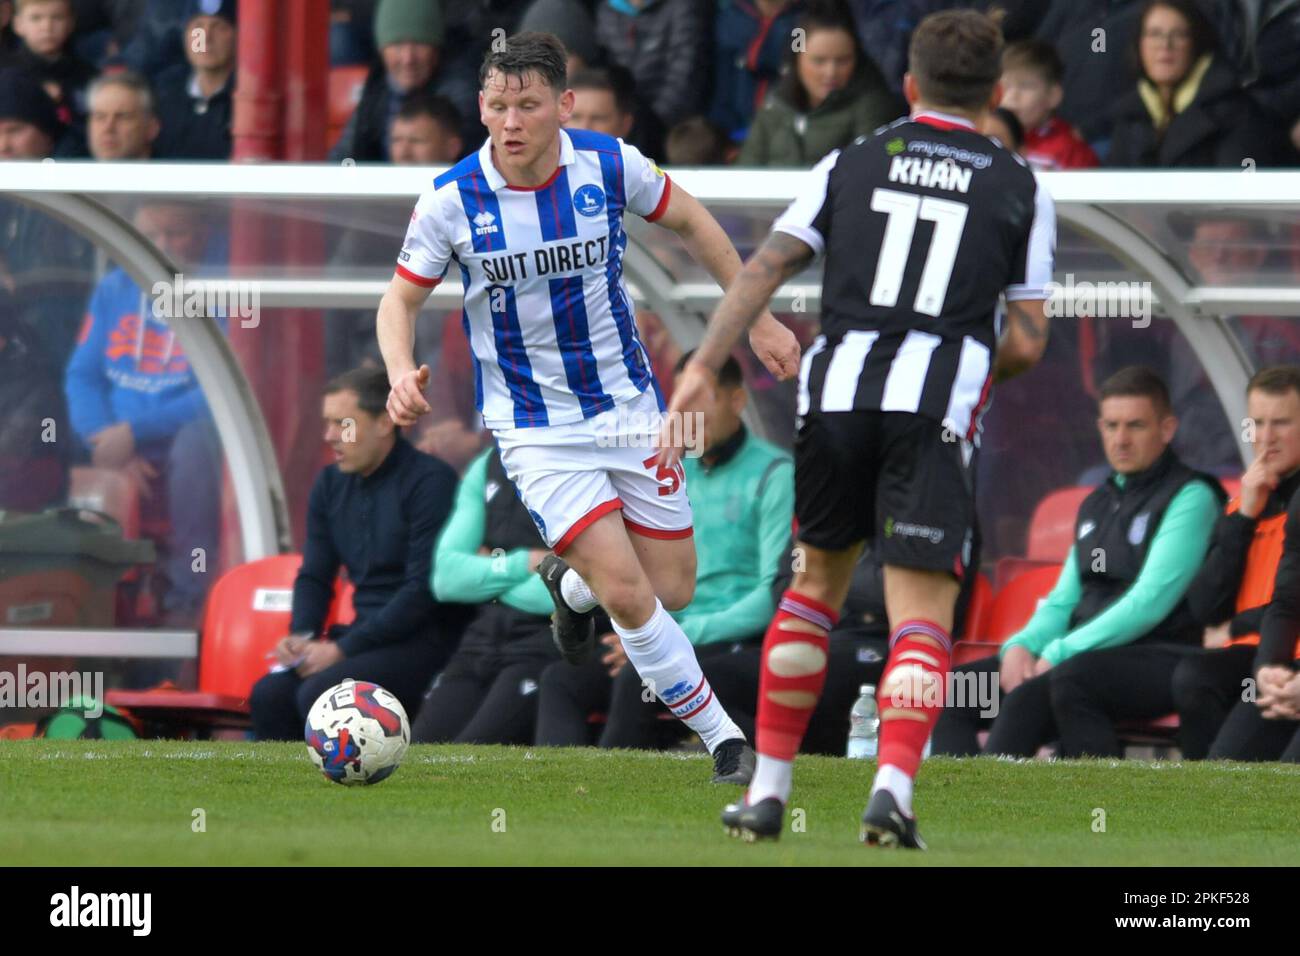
(1022, 723)
(1246, 735)
(1207, 685)
(280, 702)
(571, 694)
(487, 693)
(1093, 691)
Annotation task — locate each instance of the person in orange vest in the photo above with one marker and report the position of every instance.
(1264, 724)
(1229, 597)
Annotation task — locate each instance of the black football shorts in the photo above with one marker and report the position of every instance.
(899, 481)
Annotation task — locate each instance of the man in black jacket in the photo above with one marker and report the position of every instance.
(410, 37)
(195, 98)
(1228, 598)
(375, 512)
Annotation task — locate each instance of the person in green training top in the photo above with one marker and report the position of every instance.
(486, 555)
(742, 495)
(1140, 538)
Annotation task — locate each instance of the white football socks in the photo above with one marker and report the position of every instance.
(889, 777)
(575, 592)
(664, 658)
(772, 778)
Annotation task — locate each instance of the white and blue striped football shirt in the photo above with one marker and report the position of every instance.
(548, 317)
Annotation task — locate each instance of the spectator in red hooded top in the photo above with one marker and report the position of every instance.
(45, 27)
(1031, 89)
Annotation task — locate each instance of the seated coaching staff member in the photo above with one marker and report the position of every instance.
(1140, 538)
(376, 511)
(1229, 597)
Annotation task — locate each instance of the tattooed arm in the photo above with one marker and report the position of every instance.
(1023, 340)
(709, 245)
(780, 257)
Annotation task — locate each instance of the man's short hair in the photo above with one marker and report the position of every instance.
(20, 5)
(523, 53)
(437, 108)
(729, 376)
(127, 79)
(696, 141)
(1184, 224)
(1276, 380)
(1139, 381)
(369, 384)
(956, 58)
(1035, 56)
(616, 81)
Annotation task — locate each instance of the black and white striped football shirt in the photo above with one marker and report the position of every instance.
(923, 224)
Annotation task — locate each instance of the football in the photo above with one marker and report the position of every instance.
(357, 732)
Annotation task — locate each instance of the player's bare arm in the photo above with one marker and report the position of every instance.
(1023, 340)
(773, 343)
(396, 328)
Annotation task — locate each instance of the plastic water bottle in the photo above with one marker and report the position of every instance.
(864, 724)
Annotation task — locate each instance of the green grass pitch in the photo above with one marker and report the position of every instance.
(96, 803)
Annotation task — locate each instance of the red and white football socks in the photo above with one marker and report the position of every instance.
(793, 673)
(910, 703)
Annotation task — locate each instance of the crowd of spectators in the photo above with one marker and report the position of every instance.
(1134, 83)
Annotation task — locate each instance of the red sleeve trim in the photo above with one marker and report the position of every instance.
(662, 208)
(579, 526)
(659, 533)
(419, 280)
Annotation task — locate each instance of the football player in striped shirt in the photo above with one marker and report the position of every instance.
(924, 225)
(534, 223)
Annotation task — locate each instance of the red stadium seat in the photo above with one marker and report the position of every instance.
(1051, 529)
(1011, 608)
(345, 85)
(977, 611)
(1160, 732)
(248, 611)
(1232, 486)
(1008, 568)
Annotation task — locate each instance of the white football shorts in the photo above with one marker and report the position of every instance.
(570, 475)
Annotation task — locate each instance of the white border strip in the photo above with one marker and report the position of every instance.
(94, 642)
(728, 186)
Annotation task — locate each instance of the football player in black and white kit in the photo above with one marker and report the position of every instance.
(923, 227)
